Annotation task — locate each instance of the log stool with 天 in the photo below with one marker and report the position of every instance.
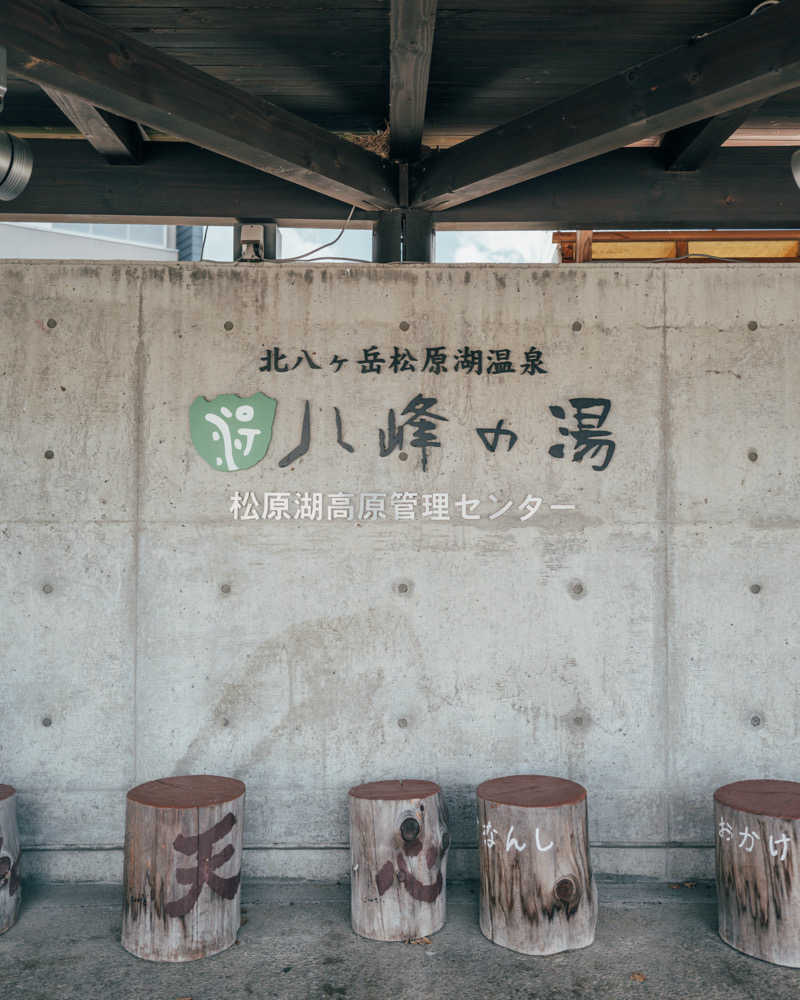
(758, 868)
(398, 846)
(183, 860)
(10, 894)
(537, 890)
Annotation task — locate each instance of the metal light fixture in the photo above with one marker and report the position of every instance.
(16, 158)
(796, 166)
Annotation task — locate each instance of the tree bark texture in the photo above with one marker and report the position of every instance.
(10, 888)
(183, 859)
(538, 894)
(398, 846)
(758, 868)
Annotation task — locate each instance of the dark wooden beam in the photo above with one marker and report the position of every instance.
(626, 189)
(629, 189)
(745, 62)
(55, 45)
(118, 140)
(688, 148)
(411, 45)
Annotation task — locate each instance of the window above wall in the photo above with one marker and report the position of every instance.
(141, 235)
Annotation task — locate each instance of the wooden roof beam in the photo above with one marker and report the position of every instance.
(56, 46)
(689, 147)
(117, 140)
(626, 189)
(743, 63)
(412, 28)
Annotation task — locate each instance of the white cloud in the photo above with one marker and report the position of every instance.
(500, 247)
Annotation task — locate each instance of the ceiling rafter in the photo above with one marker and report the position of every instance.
(54, 45)
(689, 147)
(117, 140)
(411, 45)
(740, 64)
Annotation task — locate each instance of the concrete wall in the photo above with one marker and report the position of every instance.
(344, 651)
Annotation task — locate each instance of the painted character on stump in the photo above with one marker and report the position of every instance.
(420, 851)
(9, 872)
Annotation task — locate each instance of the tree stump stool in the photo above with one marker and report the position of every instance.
(183, 861)
(10, 894)
(537, 891)
(758, 868)
(398, 849)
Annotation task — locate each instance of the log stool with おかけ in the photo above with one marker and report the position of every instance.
(183, 859)
(398, 847)
(537, 891)
(10, 895)
(758, 868)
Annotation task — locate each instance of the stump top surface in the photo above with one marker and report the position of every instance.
(780, 799)
(395, 791)
(189, 791)
(532, 790)
(6, 791)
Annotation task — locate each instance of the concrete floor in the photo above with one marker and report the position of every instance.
(297, 943)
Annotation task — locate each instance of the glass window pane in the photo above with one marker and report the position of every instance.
(72, 227)
(153, 235)
(111, 232)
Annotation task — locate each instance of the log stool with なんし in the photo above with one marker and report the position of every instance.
(10, 895)
(183, 860)
(398, 846)
(538, 894)
(758, 868)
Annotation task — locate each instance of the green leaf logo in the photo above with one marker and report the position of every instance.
(232, 432)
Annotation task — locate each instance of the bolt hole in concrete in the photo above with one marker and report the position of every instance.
(47, 721)
(752, 455)
(52, 324)
(752, 325)
(577, 589)
(755, 588)
(47, 588)
(404, 325)
(228, 325)
(403, 456)
(49, 453)
(577, 326)
(402, 723)
(404, 587)
(225, 588)
(755, 720)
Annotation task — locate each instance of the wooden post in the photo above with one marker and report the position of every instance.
(537, 891)
(183, 860)
(758, 868)
(387, 238)
(583, 246)
(418, 237)
(398, 848)
(10, 894)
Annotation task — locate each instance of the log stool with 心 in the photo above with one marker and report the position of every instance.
(10, 895)
(538, 895)
(758, 868)
(398, 847)
(183, 860)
